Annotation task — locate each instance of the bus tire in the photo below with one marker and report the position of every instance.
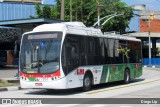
(87, 82)
(126, 76)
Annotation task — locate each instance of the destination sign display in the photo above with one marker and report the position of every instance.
(43, 36)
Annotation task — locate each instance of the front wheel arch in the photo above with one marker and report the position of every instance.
(87, 81)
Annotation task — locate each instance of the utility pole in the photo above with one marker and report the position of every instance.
(70, 10)
(98, 9)
(62, 9)
(81, 10)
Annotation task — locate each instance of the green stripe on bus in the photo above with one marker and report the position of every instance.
(115, 72)
(32, 79)
(104, 74)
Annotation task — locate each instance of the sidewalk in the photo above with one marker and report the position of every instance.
(10, 88)
(8, 84)
(8, 79)
(8, 71)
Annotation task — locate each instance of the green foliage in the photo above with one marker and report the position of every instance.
(117, 23)
(38, 11)
(86, 12)
(45, 11)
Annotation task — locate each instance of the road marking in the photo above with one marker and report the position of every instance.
(37, 105)
(121, 87)
(10, 105)
(126, 106)
(97, 105)
(52, 105)
(68, 105)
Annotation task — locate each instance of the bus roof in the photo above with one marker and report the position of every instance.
(78, 28)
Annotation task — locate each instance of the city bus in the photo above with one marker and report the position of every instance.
(70, 55)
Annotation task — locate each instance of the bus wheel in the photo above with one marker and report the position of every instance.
(87, 82)
(126, 76)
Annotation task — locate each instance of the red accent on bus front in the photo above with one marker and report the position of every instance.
(80, 71)
(57, 73)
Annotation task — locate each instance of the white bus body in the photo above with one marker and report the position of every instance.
(73, 77)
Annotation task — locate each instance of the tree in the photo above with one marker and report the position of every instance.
(38, 11)
(46, 11)
(86, 11)
(121, 22)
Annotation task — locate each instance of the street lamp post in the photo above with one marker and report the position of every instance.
(149, 36)
(149, 39)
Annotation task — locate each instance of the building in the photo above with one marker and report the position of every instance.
(15, 19)
(134, 22)
(149, 32)
(13, 10)
(16, 10)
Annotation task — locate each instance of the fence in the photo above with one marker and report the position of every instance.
(151, 61)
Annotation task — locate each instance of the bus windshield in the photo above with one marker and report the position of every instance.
(40, 52)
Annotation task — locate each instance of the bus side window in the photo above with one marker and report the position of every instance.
(135, 52)
(106, 52)
(90, 50)
(99, 51)
(72, 52)
(111, 53)
(82, 51)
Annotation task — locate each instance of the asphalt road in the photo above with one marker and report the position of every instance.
(147, 86)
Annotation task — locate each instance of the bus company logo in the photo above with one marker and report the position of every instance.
(6, 101)
(80, 71)
(137, 66)
(38, 84)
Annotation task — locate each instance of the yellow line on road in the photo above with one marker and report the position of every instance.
(130, 85)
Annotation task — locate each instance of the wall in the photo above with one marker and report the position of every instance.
(11, 11)
(154, 25)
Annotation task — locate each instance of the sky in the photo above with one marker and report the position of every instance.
(150, 4)
(49, 2)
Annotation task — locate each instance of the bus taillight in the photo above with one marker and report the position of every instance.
(137, 66)
(80, 71)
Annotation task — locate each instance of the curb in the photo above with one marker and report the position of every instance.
(3, 89)
(152, 66)
(10, 80)
(11, 88)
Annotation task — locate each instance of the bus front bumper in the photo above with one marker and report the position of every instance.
(56, 84)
